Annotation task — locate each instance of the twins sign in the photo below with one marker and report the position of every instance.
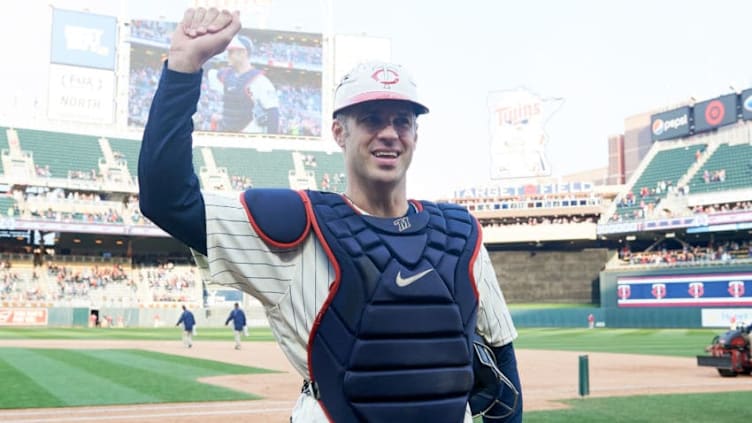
(693, 290)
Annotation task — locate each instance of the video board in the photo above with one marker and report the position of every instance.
(289, 63)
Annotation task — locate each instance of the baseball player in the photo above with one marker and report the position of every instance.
(189, 324)
(375, 299)
(250, 102)
(237, 317)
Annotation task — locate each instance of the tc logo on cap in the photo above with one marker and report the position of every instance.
(386, 76)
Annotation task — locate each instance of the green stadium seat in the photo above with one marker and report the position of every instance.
(62, 152)
(735, 160)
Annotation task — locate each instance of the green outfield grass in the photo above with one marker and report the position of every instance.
(40, 377)
(144, 334)
(672, 342)
(685, 408)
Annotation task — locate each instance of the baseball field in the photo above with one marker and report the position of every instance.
(147, 375)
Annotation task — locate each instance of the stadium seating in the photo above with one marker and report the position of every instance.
(129, 149)
(735, 160)
(667, 166)
(329, 164)
(63, 153)
(93, 282)
(3, 139)
(265, 168)
(6, 203)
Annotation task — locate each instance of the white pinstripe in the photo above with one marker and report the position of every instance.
(292, 284)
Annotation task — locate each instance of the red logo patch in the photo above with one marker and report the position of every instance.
(386, 76)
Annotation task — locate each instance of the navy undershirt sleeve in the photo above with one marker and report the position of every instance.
(169, 190)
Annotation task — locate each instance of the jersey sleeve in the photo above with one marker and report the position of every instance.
(494, 320)
(264, 92)
(238, 257)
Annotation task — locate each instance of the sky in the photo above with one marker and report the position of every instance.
(607, 60)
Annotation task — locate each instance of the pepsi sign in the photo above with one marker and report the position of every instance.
(714, 113)
(671, 124)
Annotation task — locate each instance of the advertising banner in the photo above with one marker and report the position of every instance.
(730, 289)
(746, 99)
(517, 120)
(23, 317)
(714, 113)
(725, 317)
(671, 124)
(83, 39)
(81, 94)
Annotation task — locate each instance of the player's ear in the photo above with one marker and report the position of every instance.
(339, 132)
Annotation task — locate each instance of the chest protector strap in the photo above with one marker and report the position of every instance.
(393, 341)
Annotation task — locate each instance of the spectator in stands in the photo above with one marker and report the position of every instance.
(237, 317)
(250, 102)
(189, 326)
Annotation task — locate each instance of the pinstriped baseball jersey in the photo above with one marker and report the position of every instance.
(292, 284)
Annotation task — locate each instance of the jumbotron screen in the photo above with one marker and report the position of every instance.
(292, 62)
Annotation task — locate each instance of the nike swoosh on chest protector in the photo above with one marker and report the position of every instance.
(403, 282)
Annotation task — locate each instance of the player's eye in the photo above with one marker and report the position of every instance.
(402, 122)
(373, 121)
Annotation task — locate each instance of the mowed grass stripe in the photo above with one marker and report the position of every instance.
(21, 391)
(177, 383)
(131, 333)
(673, 408)
(169, 365)
(71, 384)
(673, 342)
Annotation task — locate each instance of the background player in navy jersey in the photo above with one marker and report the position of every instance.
(250, 103)
(237, 317)
(375, 299)
(189, 325)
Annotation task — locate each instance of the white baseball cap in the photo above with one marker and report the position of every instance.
(239, 42)
(376, 80)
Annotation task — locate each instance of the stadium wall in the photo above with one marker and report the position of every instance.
(550, 276)
(147, 317)
(557, 318)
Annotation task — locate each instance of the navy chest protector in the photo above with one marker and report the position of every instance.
(393, 341)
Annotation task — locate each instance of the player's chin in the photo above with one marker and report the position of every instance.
(389, 176)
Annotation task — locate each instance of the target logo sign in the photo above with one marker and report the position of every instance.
(714, 113)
